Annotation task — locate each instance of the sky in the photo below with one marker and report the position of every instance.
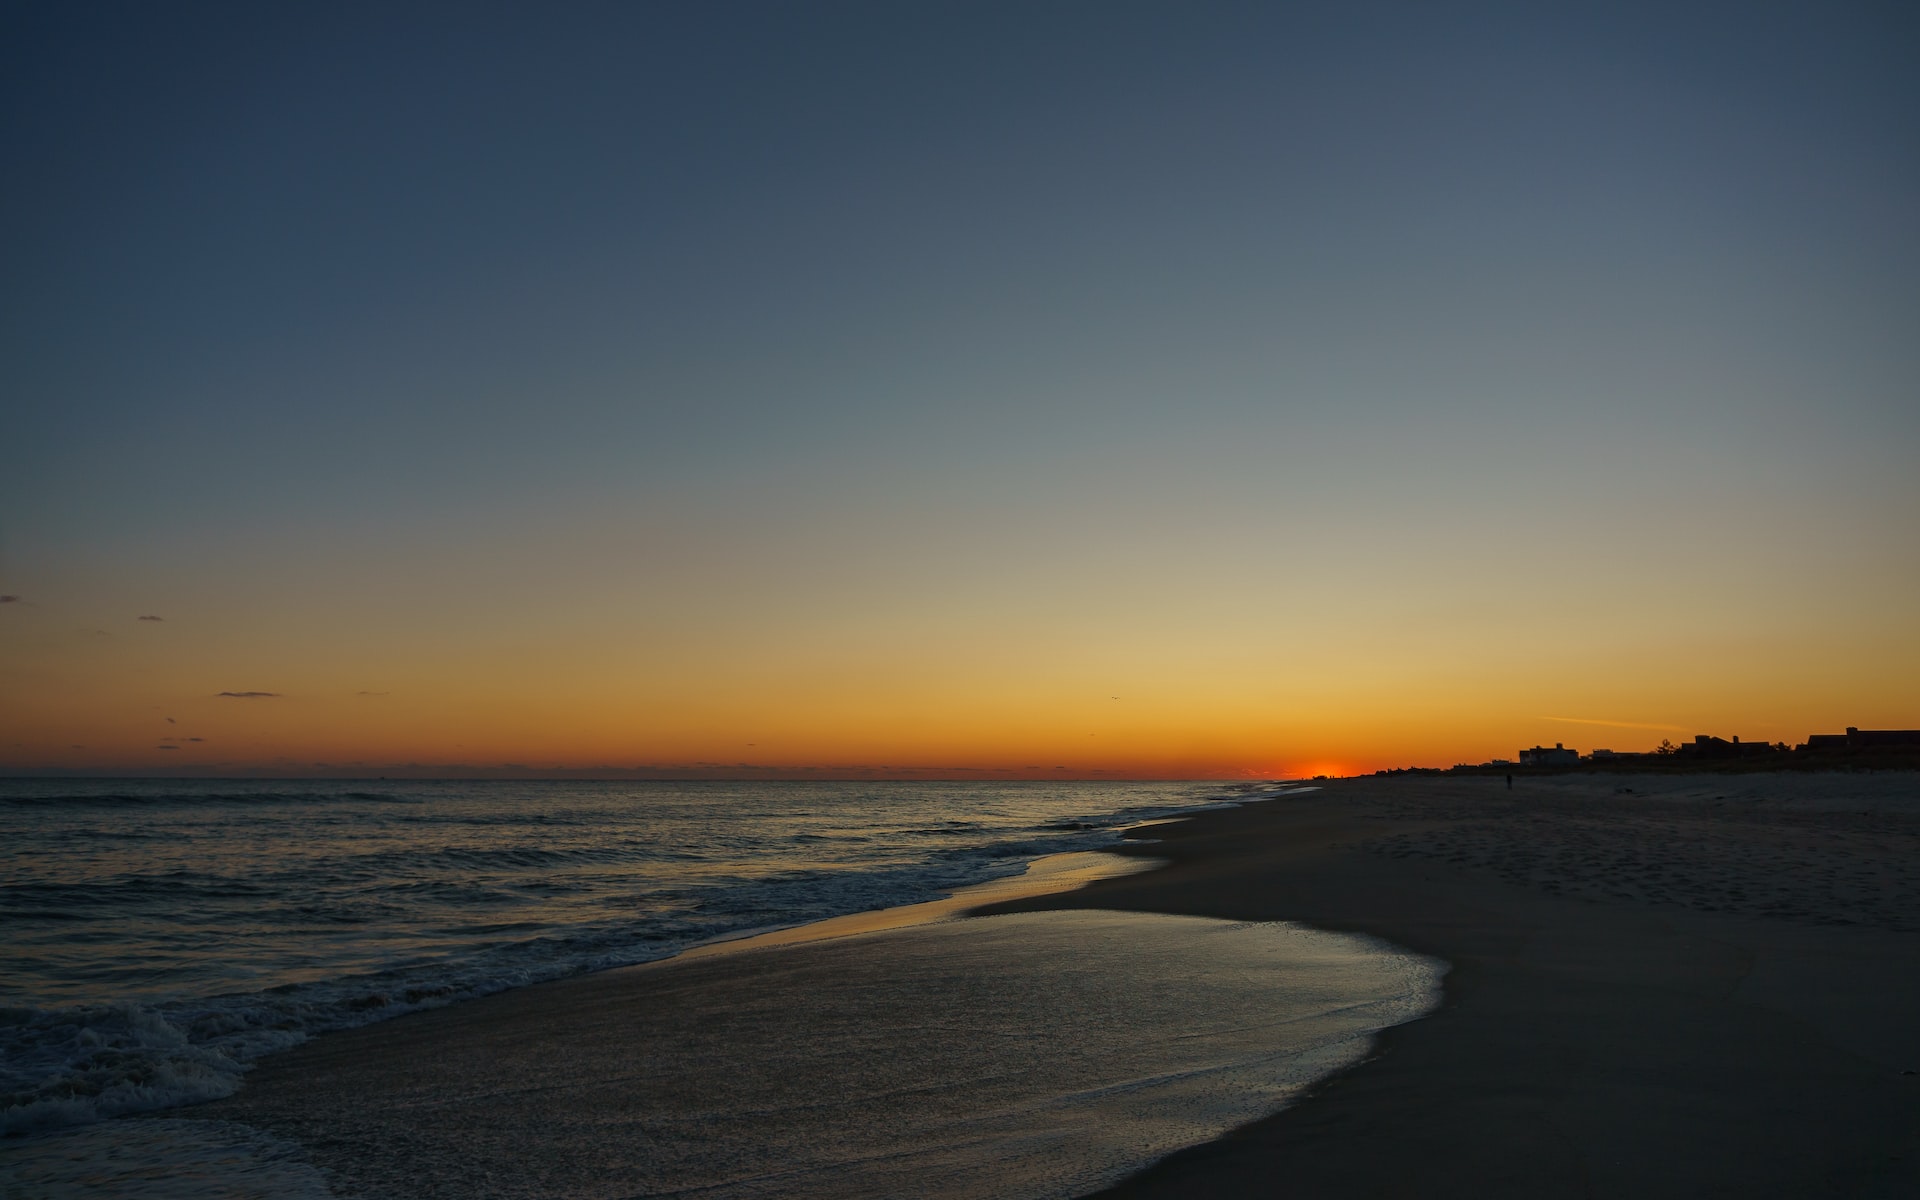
(1054, 390)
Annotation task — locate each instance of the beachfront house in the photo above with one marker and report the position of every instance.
(1559, 756)
(1705, 746)
(1864, 739)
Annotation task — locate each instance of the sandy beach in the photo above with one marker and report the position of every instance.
(1702, 986)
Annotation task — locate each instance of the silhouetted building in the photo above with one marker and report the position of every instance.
(1864, 739)
(1713, 747)
(1540, 756)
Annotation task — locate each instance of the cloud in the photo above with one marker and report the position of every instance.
(1611, 724)
(171, 721)
(150, 618)
(196, 739)
(249, 695)
(373, 693)
(9, 599)
(166, 747)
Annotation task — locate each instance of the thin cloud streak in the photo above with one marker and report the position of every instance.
(249, 695)
(1615, 724)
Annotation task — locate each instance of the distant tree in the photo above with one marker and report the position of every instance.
(1665, 747)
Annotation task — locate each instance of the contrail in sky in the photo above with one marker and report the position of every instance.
(1612, 724)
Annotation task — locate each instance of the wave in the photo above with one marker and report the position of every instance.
(78, 1065)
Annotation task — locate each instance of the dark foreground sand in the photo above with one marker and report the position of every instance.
(1702, 987)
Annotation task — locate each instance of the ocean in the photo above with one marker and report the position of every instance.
(161, 935)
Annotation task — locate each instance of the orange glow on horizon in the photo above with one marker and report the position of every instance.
(1111, 683)
(1331, 770)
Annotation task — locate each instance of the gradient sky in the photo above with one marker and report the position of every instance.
(1154, 390)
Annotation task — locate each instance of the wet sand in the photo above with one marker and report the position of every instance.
(1706, 986)
(1020, 1055)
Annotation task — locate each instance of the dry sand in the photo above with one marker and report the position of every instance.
(1704, 986)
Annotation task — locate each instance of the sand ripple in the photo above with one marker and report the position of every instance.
(1743, 851)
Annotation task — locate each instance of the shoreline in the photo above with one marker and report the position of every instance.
(450, 893)
(1676, 1032)
(1046, 1053)
(1608, 1027)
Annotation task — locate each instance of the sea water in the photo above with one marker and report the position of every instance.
(158, 936)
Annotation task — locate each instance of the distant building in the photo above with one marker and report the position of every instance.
(1540, 756)
(1599, 754)
(1864, 739)
(1704, 746)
